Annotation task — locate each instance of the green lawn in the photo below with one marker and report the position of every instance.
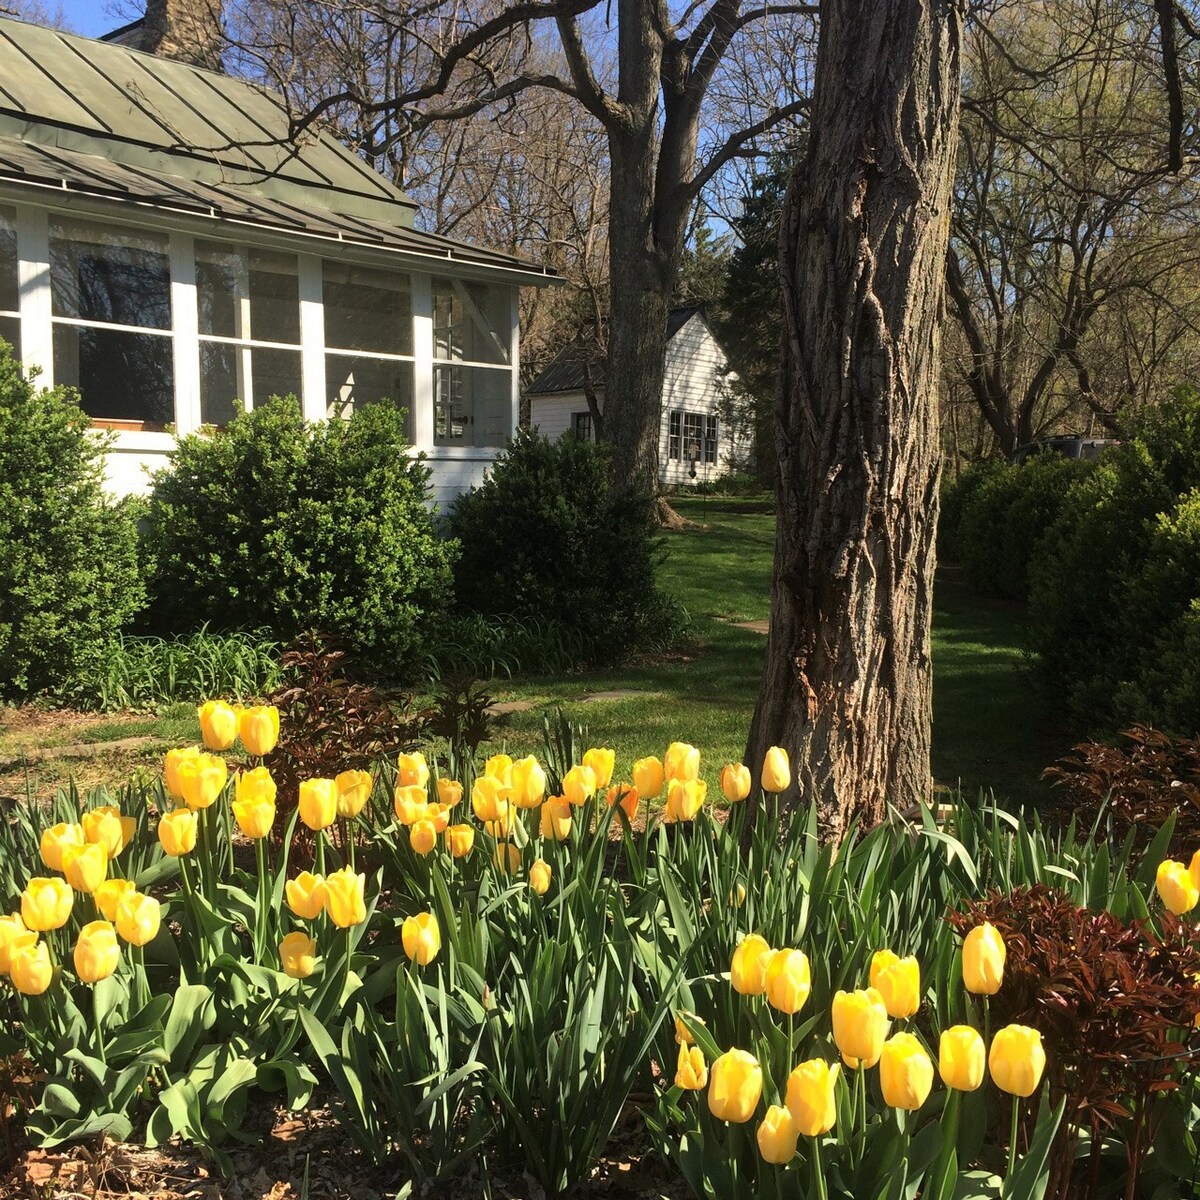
(986, 727)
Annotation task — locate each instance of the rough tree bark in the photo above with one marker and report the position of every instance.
(847, 684)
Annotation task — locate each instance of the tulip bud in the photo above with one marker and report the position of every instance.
(422, 837)
(256, 785)
(259, 728)
(56, 839)
(788, 980)
(254, 806)
(734, 1086)
(812, 1098)
(984, 953)
(682, 762)
(489, 798)
(776, 771)
(579, 785)
(860, 1025)
(777, 1136)
(683, 1036)
(737, 895)
(748, 971)
(201, 779)
(528, 782)
(460, 839)
(103, 827)
(898, 981)
(601, 761)
(961, 1056)
(556, 819)
(108, 895)
(1017, 1059)
(306, 895)
(1176, 886)
(218, 724)
(298, 955)
(648, 777)
(735, 782)
(685, 798)
(507, 858)
(411, 770)
(353, 792)
(345, 898)
(177, 832)
(46, 904)
(96, 952)
(691, 1071)
(318, 803)
(539, 876)
(171, 764)
(450, 792)
(422, 938)
(29, 965)
(138, 918)
(85, 867)
(627, 797)
(905, 1072)
(11, 927)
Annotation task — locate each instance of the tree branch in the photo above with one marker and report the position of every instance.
(735, 145)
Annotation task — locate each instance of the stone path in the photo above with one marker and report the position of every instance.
(79, 750)
(505, 707)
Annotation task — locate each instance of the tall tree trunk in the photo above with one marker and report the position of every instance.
(847, 684)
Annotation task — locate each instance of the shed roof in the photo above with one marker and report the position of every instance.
(100, 119)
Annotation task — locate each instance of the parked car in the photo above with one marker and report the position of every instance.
(1066, 445)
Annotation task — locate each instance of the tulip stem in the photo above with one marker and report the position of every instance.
(260, 916)
(1012, 1147)
(349, 949)
(819, 1170)
(348, 830)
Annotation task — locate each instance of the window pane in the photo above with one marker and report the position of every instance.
(471, 321)
(274, 298)
(122, 376)
(673, 427)
(10, 331)
(472, 406)
(275, 373)
(710, 439)
(222, 283)
(229, 276)
(352, 382)
(366, 309)
(9, 296)
(109, 275)
(693, 424)
(221, 386)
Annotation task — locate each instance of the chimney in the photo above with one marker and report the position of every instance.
(187, 30)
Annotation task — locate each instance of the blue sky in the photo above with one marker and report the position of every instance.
(92, 17)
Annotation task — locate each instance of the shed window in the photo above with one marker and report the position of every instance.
(674, 425)
(693, 434)
(710, 438)
(10, 303)
(581, 426)
(111, 306)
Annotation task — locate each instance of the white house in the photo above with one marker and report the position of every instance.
(694, 443)
(167, 250)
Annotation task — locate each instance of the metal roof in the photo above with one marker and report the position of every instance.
(101, 120)
(565, 372)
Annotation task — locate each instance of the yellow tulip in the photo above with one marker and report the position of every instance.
(579, 785)
(201, 778)
(648, 777)
(96, 952)
(11, 927)
(103, 827)
(138, 918)
(177, 832)
(737, 895)
(409, 803)
(539, 876)
(691, 1071)
(46, 904)
(489, 798)
(298, 955)
(499, 767)
(306, 895)
(56, 839)
(812, 1096)
(984, 954)
(422, 938)
(256, 785)
(748, 971)
(860, 1025)
(905, 1072)
(626, 796)
(318, 803)
(683, 1036)
(735, 782)
(776, 770)
(602, 761)
(1177, 887)
(734, 1086)
(85, 867)
(685, 798)
(259, 729)
(682, 762)
(1017, 1059)
(218, 724)
(108, 895)
(171, 764)
(450, 792)
(422, 837)
(460, 839)
(254, 806)
(898, 981)
(961, 1057)
(128, 829)
(411, 770)
(528, 782)
(353, 792)
(556, 819)
(345, 898)
(507, 858)
(788, 980)
(777, 1136)
(29, 966)
(438, 816)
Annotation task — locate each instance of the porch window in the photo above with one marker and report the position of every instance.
(249, 309)
(10, 300)
(710, 438)
(674, 424)
(111, 308)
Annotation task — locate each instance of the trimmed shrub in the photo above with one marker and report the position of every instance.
(273, 523)
(68, 556)
(956, 497)
(542, 538)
